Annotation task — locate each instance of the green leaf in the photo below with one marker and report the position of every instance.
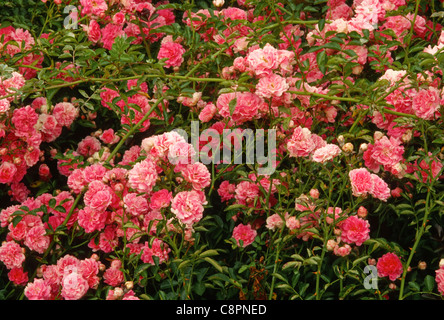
(429, 283)
(321, 60)
(214, 263)
(232, 106)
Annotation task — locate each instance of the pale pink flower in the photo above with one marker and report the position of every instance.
(246, 192)
(142, 177)
(88, 146)
(134, 204)
(342, 251)
(439, 279)
(275, 221)
(263, 61)
(89, 268)
(91, 220)
(38, 290)
(93, 31)
(301, 143)
(65, 113)
(226, 190)
(361, 182)
(109, 34)
(355, 230)
(113, 276)
(207, 112)
(380, 188)
(198, 175)
(292, 223)
(74, 286)
(4, 105)
(94, 7)
(36, 239)
(108, 136)
(24, 119)
(271, 85)
(11, 254)
(188, 206)
(98, 196)
(244, 109)
(426, 103)
(386, 152)
(244, 233)
(326, 153)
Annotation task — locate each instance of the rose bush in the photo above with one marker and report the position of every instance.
(104, 196)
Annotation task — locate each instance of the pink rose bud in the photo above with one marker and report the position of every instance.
(362, 212)
(314, 193)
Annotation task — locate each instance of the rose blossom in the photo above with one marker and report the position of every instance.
(160, 199)
(326, 153)
(74, 286)
(134, 204)
(7, 172)
(173, 52)
(245, 233)
(188, 206)
(18, 276)
(426, 103)
(271, 85)
(38, 290)
(11, 255)
(439, 278)
(142, 177)
(389, 265)
(301, 143)
(355, 230)
(158, 248)
(198, 175)
(361, 181)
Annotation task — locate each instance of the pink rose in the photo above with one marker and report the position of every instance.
(244, 233)
(326, 153)
(426, 103)
(38, 290)
(271, 85)
(7, 172)
(198, 175)
(173, 52)
(188, 206)
(389, 265)
(11, 255)
(355, 230)
(361, 182)
(74, 286)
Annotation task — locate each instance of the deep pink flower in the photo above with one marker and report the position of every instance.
(11, 254)
(389, 265)
(158, 248)
(173, 52)
(355, 230)
(244, 233)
